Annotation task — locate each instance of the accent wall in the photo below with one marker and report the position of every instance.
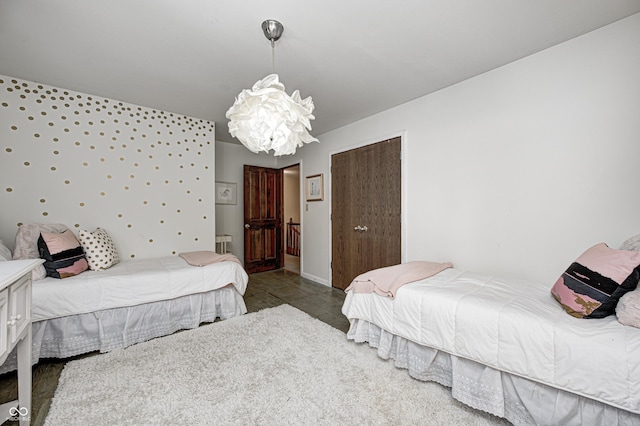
(145, 176)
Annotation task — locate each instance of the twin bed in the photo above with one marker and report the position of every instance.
(130, 302)
(505, 347)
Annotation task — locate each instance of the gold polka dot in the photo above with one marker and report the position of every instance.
(42, 200)
(26, 163)
(67, 182)
(9, 150)
(9, 189)
(45, 214)
(82, 204)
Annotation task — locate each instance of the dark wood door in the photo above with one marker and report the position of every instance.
(365, 210)
(262, 219)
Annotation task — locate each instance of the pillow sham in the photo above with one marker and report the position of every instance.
(62, 253)
(99, 248)
(632, 243)
(27, 244)
(628, 309)
(5, 253)
(593, 284)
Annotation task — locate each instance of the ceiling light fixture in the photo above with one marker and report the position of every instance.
(265, 117)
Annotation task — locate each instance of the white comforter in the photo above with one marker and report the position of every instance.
(514, 326)
(130, 283)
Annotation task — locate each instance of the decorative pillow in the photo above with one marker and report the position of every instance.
(593, 284)
(632, 243)
(99, 248)
(628, 309)
(62, 254)
(27, 244)
(5, 253)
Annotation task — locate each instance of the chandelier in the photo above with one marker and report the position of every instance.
(265, 117)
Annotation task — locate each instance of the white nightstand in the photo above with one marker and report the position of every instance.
(15, 331)
(223, 240)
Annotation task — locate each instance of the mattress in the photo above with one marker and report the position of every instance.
(513, 326)
(131, 283)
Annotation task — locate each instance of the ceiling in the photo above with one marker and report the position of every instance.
(355, 58)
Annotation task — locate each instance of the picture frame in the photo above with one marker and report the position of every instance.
(226, 193)
(314, 187)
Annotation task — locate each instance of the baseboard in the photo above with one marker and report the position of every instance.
(316, 279)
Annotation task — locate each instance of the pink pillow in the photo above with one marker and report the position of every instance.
(593, 284)
(63, 256)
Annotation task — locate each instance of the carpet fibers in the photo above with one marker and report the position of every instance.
(275, 366)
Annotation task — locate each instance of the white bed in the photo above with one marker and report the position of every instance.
(505, 347)
(131, 302)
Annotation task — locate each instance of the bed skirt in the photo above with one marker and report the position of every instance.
(517, 399)
(116, 328)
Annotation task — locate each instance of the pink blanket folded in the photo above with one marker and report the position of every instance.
(387, 281)
(203, 258)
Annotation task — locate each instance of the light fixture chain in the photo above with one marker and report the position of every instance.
(273, 56)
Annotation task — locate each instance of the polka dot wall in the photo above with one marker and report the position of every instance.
(144, 175)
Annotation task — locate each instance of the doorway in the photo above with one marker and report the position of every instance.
(272, 234)
(291, 208)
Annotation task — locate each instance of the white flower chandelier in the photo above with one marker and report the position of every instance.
(265, 117)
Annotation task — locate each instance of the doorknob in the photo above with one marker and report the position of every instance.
(361, 228)
(247, 226)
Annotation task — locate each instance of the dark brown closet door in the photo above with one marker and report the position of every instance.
(365, 210)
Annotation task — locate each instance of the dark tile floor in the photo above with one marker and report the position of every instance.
(265, 290)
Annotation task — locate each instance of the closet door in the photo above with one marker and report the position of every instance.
(365, 210)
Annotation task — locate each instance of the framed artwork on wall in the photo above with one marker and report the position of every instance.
(315, 188)
(226, 193)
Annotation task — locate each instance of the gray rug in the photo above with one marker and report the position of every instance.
(278, 366)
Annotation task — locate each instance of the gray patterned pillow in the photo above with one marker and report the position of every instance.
(27, 244)
(632, 243)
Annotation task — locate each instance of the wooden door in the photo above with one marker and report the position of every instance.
(365, 210)
(262, 219)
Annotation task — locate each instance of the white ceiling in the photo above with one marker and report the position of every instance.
(354, 57)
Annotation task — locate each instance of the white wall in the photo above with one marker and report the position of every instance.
(146, 176)
(230, 159)
(514, 172)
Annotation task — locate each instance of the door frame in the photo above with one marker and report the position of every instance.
(403, 184)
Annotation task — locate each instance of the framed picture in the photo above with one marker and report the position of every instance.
(226, 193)
(315, 188)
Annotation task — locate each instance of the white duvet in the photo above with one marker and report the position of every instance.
(130, 283)
(514, 326)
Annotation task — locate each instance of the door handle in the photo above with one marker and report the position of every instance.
(361, 228)
(247, 226)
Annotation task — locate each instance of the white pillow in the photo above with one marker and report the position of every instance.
(632, 243)
(5, 253)
(628, 309)
(99, 248)
(27, 244)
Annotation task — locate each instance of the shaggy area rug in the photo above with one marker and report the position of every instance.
(278, 366)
